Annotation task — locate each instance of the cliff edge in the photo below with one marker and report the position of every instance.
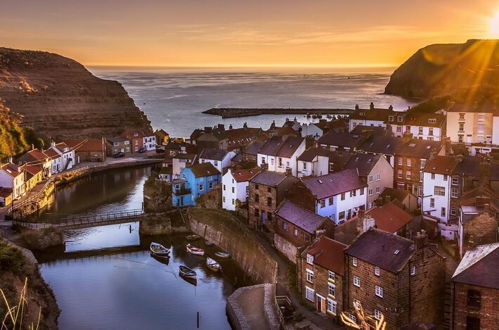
(59, 98)
(442, 69)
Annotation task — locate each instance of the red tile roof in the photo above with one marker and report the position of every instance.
(441, 165)
(390, 217)
(52, 153)
(87, 145)
(245, 175)
(32, 169)
(5, 192)
(328, 254)
(11, 169)
(37, 154)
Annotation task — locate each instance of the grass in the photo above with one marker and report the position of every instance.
(15, 314)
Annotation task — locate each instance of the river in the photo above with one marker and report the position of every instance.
(106, 279)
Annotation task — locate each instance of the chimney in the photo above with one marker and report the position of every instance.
(421, 239)
(367, 223)
(207, 129)
(221, 127)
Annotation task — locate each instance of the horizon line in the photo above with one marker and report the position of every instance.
(246, 65)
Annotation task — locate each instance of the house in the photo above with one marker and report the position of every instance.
(396, 277)
(33, 175)
(217, 157)
(13, 177)
(375, 170)
(89, 150)
(118, 145)
(476, 289)
(37, 157)
(266, 191)
(56, 160)
(235, 187)
(371, 117)
(423, 126)
(162, 137)
(338, 196)
(149, 142)
(311, 130)
(250, 153)
(295, 228)
(239, 138)
(165, 174)
(313, 162)
(210, 138)
(280, 153)
(136, 139)
(401, 198)
(382, 145)
(341, 141)
(465, 177)
(181, 161)
(321, 276)
(194, 181)
(473, 124)
(5, 196)
(68, 155)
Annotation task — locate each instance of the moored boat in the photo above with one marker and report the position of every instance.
(194, 250)
(213, 265)
(186, 272)
(221, 254)
(159, 250)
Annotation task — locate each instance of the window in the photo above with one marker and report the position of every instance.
(400, 161)
(295, 232)
(309, 293)
(223, 198)
(210, 186)
(461, 115)
(343, 196)
(331, 200)
(233, 190)
(361, 191)
(377, 314)
(439, 191)
(453, 211)
(460, 138)
(455, 180)
(233, 201)
(341, 215)
(257, 198)
(256, 186)
(353, 193)
(331, 289)
(377, 190)
(442, 212)
(285, 226)
(331, 306)
(370, 191)
(224, 187)
(378, 291)
(408, 162)
(445, 177)
(423, 163)
(433, 176)
(461, 127)
(413, 270)
(377, 271)
(323, 203)
(310, 276)
(430, 132)
(432, 202)
(454, 192)
(399, 174)
(474, 299)
(354, 261)
(408, 175)
(269, 201)
(472, 323)
(200, 187)
(331, 276)
(420, 130)
(356, 281)
(304, 165)
(310, 259)
(378, 177)
(370, 178)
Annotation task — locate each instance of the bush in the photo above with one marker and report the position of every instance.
(11, 259)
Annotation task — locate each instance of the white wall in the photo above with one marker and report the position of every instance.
(495, 130)
(149, 142)
(273, 161)
(349, 203)
(232, 191)
(220, 165)
(355, 122)
(440, 201)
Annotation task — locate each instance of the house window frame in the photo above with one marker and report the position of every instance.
(309, 294)
(356, 281)
(354, 261)
(310, 275)
(310, 259)
(378, 291)
(377, 271)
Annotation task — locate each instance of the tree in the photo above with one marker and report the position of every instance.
(363, 321)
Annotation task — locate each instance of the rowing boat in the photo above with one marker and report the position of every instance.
(213, 265)
(159, 250)
(221, 254)
(186, 272)
(194, 250)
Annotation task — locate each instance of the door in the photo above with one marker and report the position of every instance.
(321, 304)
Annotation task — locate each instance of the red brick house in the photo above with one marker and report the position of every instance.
(476, 289)
(321, 273)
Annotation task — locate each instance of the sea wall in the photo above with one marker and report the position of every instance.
(227, 232)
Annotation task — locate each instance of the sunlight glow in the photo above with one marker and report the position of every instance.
(494, 25)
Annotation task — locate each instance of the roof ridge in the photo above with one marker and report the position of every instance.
(471, 257)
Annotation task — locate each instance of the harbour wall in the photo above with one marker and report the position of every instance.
(247, 112)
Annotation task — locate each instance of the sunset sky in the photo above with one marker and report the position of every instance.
(237, 33)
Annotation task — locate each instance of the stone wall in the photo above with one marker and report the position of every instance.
(286, 248)
(487, 313)
(228, 233)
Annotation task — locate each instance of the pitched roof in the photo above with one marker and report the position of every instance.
(441, 165)
(300, 217)
(382, 144)
(417, 148)
(334, 183)
(341, 139)
(328, 254)
(389, 217)
(393, 193)
(368, 130)
(12, 169)
(33, 155)
(474, 108)
(363, 162)
(213, 154)
(385, 250)
(244, 175)
(204, 169)
(468, 166)
(32, 169)
(254, 148)
(479, 267)
(87, 145)
(117, 139)
(269, 178)
(281, 146)
(372, 114)
(5, 192)
(425, 119)
(52, 153)
(309, 154)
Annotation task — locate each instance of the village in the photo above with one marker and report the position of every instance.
(397, 211)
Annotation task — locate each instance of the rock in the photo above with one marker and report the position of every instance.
(156, 225)
(60, 98)
(42, 239)
(442, 69)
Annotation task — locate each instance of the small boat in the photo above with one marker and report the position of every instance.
(194, 250)
(221, 254)
(192, 237)
(213, 265)
(159, 250)
(186, 272)
(163, 259)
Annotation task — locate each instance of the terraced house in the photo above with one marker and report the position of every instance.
(280, 154)
(194, 181)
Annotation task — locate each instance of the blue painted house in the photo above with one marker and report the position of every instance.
(194, 181)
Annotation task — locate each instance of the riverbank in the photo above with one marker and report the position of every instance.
(248, 112)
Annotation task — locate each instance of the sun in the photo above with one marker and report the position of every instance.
(494, 25)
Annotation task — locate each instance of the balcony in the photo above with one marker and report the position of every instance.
(180, 188)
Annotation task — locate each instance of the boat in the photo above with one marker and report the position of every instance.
(186, 272)
(209, 243)
(213, 265)
(221, 254)
(194, 250)
(159, 250)
(192, 237)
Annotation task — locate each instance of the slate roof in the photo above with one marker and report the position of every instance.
(300, 217)
(381, 144)
(281, 146)
(393, 193)
(441, 165)
(363, 162)
(204, 169)
(368, 130)
(423, 119)
(269, 178)
(328, 254)
(117, 139)
(479, 267)
(254, 148)
(371, 114)
(213, 154)
(309, 154)
(469, 166)
(5, 192)
(334, 183)
(385, 250)
(416, 148)
(341, 139)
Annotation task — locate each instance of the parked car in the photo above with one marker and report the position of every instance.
(119, 155)
(142, 150)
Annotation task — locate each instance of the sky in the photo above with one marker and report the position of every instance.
(241, 33)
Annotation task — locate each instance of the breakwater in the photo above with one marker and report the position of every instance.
(247, 112)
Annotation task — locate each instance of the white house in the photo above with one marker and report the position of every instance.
(68, 156)
(313, 162)
(311, 130)
(149, 142)
(423, 126)
(217, 157)
(280, 153)
(235, 186)
(437, 180)
(339, 196)
(12, 177)
(371, 117)
(55, 158)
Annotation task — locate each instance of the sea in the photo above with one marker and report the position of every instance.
(174, 98)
